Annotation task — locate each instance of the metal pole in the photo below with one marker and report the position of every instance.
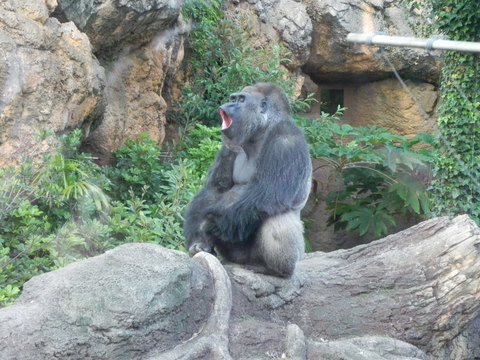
(434, 43)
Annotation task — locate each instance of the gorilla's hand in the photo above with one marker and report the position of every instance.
(197, 247)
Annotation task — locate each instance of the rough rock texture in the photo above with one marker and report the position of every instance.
(138, 83)
(420, 286)
(123, 304)
(333, 60)
(386, 104)
(365, 348)
(111, 24)
(141, 45)
(466, 346)
(49, 79)
(211, 342)
(401, 297)
(275, 21)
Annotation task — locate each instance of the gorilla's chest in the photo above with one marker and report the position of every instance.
(243, 169)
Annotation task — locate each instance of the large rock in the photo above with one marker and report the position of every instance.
(333, 59)
(133, 300)
(141, 301)
(386, 104)
(111, 24)
(275, 21)
(49, 79)
(141, 45)
(135, 97)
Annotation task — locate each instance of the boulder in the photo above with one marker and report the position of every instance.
(49, 79)
(123, 304)
(284, 22)
(386, 104)
(332, 59)
(112, 24)
(138, 83)
(402, 297)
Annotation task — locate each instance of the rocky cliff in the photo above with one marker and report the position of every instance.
(110, 67)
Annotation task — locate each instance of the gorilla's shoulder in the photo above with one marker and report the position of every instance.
(287, 127)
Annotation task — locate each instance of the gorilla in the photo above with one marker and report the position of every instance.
(248, 210)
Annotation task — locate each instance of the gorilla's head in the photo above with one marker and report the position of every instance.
(252, 110)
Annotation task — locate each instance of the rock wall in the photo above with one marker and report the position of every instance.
(140, 44)
(382, 103)
(135, 99)
(314, 32)
(52, 80)
(113, 24)
(332, 59)
(109, 77)
(49, 78)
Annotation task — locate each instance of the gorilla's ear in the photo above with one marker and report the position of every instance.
(263, 106)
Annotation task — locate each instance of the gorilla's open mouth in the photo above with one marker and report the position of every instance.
(226, 120)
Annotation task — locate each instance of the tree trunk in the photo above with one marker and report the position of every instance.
(421, 285)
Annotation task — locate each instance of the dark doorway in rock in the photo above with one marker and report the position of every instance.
(330, 100)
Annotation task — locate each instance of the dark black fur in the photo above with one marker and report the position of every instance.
(262, 172)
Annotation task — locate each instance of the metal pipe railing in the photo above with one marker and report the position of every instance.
(433, 43)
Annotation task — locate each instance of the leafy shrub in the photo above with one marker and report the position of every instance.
(67, 178)
(138, 169)
(56, 212)
(41, 204)
(152, 211)
(456, 184)
(25, 234)
(382, 173)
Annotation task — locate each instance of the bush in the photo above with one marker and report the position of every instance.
(55, 212)
(382, 173)
(151, 195)
(40, 205)
(138, 169)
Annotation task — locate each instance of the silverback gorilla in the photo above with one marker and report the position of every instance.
(248, 210)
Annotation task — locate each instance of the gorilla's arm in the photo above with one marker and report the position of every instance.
(220, 174)
(219, 180)
(281, 184)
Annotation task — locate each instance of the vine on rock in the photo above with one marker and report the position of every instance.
(456, 184)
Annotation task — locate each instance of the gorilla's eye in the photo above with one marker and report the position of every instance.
(241, 98)
(233, 98)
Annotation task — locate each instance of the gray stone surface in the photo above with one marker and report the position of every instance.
(112, 24)
(141, 301)
(120, 305)
(365, 348)
(333, 60)
(49, 79)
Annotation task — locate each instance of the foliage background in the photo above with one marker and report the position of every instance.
(66, 207)
(456, 184)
